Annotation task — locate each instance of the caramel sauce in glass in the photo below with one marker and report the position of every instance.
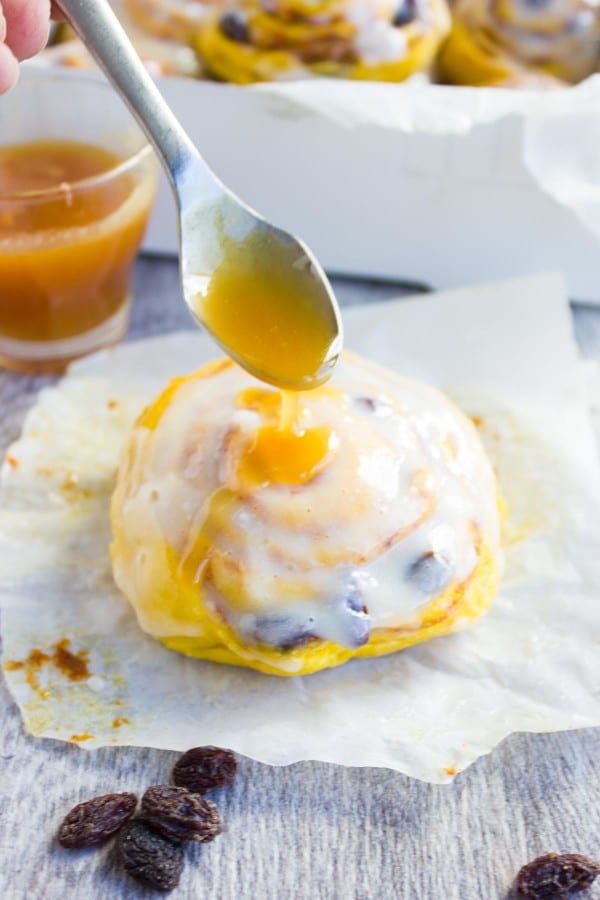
(70, 227)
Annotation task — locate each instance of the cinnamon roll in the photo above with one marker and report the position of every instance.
(160, 56)
(290, 541)
(269, 40)
(521, 42)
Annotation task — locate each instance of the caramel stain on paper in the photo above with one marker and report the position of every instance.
(64, 701)
(120, 720)
(486, 427)
(451, 771)
(31, 666)
(13, 664)
(13, 462)
(71, 487)
(70, 482)
(74, 666)
(80, 738)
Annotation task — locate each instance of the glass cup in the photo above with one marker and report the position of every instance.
(67, 248)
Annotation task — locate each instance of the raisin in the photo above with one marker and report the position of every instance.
(368, 403)
(234, 26)
(180, 815)
(96, 820)
(203, 768)
(375, 405)
(431, 573)
(149, 857)
(556, 875)
(356, 620)
(280, 631)
(405, 13)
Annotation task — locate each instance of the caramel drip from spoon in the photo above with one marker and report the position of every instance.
(283, 452)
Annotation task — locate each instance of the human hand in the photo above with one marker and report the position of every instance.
(23, 33)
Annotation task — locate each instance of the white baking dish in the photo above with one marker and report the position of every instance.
(411, 182)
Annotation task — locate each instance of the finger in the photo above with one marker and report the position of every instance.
(27, 24)
(9, 68)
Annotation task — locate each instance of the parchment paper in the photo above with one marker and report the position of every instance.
(506, 352)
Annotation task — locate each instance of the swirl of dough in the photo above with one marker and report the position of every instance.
(514, 42)
(370, 525)
(269, 40)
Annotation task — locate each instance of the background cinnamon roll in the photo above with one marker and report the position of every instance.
(369, 525)
(159, 55)
(267, 40)
(521, 42)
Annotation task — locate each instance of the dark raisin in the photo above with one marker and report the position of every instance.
(356, 620)
(96, 820)
(203, 768)
(282, 632)
(431, 573)
(149, 857)
(373, 405)
(556, 875)
(180, 815)
(405, 14)
(234, 26)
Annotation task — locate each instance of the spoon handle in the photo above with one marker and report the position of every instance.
(101, 32)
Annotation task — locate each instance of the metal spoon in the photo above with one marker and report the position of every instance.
(290, 333)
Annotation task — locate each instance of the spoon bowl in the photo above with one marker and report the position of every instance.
(260, 293)
(257, 289)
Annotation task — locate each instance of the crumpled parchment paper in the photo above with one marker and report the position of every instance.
(560, 129)
(81, 670)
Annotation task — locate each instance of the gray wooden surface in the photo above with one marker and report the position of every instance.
(309, 831)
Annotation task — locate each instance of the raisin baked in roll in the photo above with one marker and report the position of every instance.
(289, 541)
(521, 42)
(268, 40)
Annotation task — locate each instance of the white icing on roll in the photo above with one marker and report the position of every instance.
(380, 42)
(399, 513)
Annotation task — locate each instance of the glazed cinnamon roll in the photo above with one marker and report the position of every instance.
(521, 42)
(289, 542)
(268, 40)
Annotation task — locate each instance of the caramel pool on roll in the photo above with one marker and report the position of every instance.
(269, 40)
(538, 43)
(291, 540)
